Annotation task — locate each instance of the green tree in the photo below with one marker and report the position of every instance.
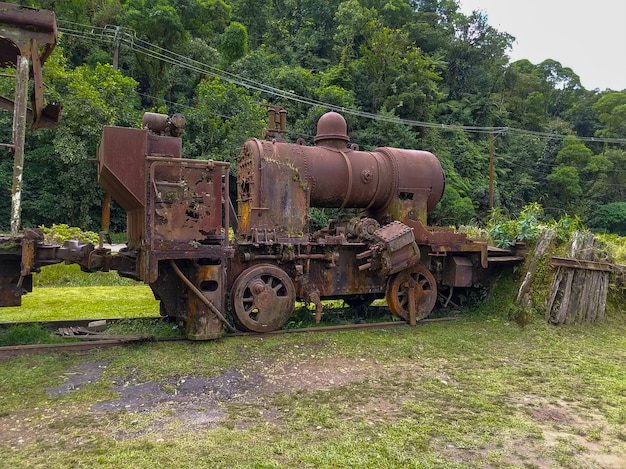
(60, 174)
(475, 59)
(610, 218)
(611, 111)
(383, 133)
(398, 76)
(203, 18)
(161, 27)
(564, 190)
(222, 118)
(182, 82)
(354, 24)
(453, 209)
(233, 43)
(254, 14)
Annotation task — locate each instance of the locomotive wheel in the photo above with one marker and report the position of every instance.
(263, 298)
(424, 288)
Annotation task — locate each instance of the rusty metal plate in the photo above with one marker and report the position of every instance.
(186, 204)
(458, 272)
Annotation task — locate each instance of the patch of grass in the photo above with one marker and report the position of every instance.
(459, 394)
(22, 334)
(46, 304)
(160, 328)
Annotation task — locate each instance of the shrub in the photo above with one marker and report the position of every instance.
(57, 234)
(528, 226)
(610, 218)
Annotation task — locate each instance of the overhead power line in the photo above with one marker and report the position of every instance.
(121, 35)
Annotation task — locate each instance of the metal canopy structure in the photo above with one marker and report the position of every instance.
(27, 38)
(32, 34)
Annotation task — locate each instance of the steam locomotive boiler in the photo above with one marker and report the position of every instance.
(180, 214)
(277, 260)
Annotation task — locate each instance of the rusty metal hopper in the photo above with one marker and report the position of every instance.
(121, 165)
(121, 162)
(122, 173)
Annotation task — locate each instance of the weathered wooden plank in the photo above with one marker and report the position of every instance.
(572, 263)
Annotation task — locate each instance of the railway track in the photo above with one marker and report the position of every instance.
(100, 340)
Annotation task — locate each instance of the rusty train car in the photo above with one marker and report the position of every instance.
(180, 214)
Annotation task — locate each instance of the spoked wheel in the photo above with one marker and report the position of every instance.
(416, 284)
(263, 298)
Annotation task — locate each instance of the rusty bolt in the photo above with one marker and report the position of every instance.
(366, 176)
(257, 287)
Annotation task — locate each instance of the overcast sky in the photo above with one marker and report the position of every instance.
(588, 37)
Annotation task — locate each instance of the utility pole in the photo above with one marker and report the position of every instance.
(105, 220)
(491, 171)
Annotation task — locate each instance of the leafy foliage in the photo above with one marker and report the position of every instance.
(57, 234)
(610, 218)
(528, 226)
(422, 61)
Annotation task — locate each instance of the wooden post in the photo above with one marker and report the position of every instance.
(19, 137)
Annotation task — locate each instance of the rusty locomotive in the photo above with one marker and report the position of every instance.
(179, 215)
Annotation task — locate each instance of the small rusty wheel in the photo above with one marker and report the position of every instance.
(424, 287)
(263, 298)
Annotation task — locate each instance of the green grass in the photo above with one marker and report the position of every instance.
(44, 304)
(476, 392)
(23, 334)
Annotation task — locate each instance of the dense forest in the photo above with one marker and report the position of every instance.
(405, 73)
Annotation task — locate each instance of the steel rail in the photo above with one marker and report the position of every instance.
(113, 341)
(58, 323)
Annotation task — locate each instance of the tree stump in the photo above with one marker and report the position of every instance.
(579, 289)
(523, 295)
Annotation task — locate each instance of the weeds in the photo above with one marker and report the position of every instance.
(528, 225)
(24, 334)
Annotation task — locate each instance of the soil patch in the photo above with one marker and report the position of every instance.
(78, 377)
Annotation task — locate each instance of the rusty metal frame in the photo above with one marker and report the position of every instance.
(33, 35)
(22, 29)
(189, 249)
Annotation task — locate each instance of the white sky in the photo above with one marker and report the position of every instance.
(587, 36)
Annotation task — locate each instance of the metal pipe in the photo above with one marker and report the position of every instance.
(202, 298)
